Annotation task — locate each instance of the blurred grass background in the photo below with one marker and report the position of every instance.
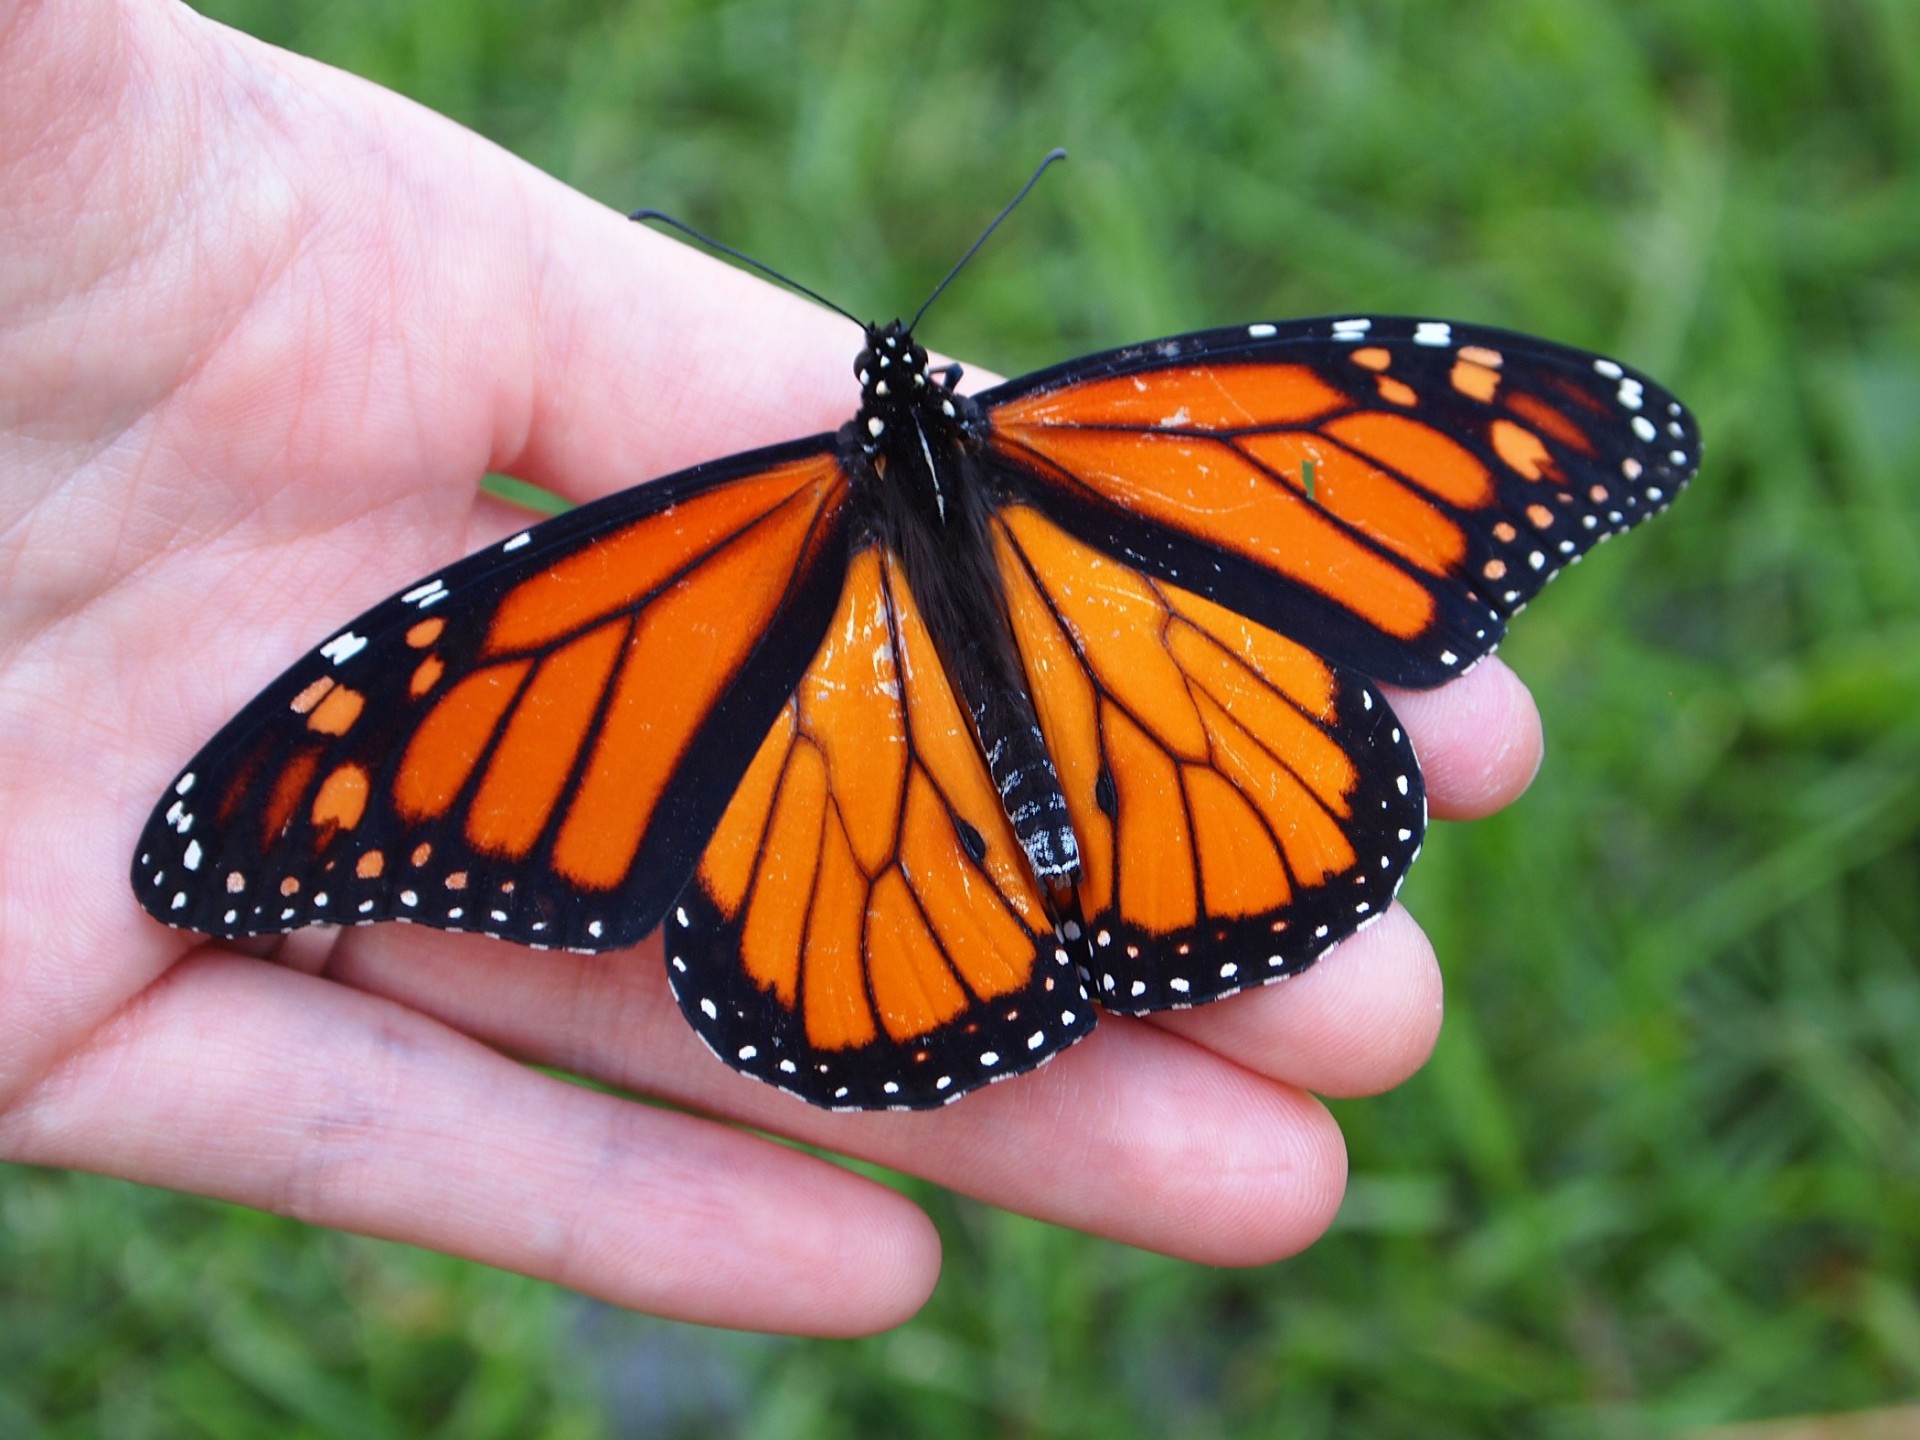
(1664, 1171)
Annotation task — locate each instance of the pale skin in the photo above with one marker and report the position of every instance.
(263, 326)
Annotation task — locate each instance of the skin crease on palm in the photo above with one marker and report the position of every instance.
(263, 326)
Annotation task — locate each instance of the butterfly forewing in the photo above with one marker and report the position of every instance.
(1384, 491)
(534, 743)
(863, 929)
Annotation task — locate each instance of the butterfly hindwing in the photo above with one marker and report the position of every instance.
(1385, 491)
(863, 929)
(534, 742)
(1240, 804)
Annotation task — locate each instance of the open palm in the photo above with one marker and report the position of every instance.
(262, 329)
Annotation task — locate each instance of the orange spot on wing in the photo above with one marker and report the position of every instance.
(850, 702)
(336, 713)
(1545, 417)
(426, 675)
(1240, 871)
(1205, 397)
(288, 788)
(777, 919)
(342, 797)
(618, 571)
(1372, 357)
(1476, 382)
(1419, 453)
(542, 740)
(1395, 392)
(1157, 883)
(425, 633)
(833, 974)
(1522, 450)
(1480, 355)
(369, 865)
(448, 743)
(913, 988)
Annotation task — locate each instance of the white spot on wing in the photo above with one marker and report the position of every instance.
(343, 647)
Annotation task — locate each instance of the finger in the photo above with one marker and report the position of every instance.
(1135, 1133)
(252, 1083)
(1363, 1019)
(1478, 739)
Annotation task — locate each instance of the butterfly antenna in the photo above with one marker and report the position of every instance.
(685, 229)
(1032, 180)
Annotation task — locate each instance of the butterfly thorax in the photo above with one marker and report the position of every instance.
(900, 398)
(923, 497)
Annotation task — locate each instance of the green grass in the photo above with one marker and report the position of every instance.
(1665, 1169)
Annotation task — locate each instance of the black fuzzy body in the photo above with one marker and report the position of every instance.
(923, 495)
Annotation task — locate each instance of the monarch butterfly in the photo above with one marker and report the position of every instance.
(924, 737)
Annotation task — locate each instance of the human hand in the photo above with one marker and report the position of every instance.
(263, 326)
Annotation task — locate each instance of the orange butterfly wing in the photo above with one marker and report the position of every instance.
(1241, 805)
(1384, 491)
(863, 930)
(534, 743)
